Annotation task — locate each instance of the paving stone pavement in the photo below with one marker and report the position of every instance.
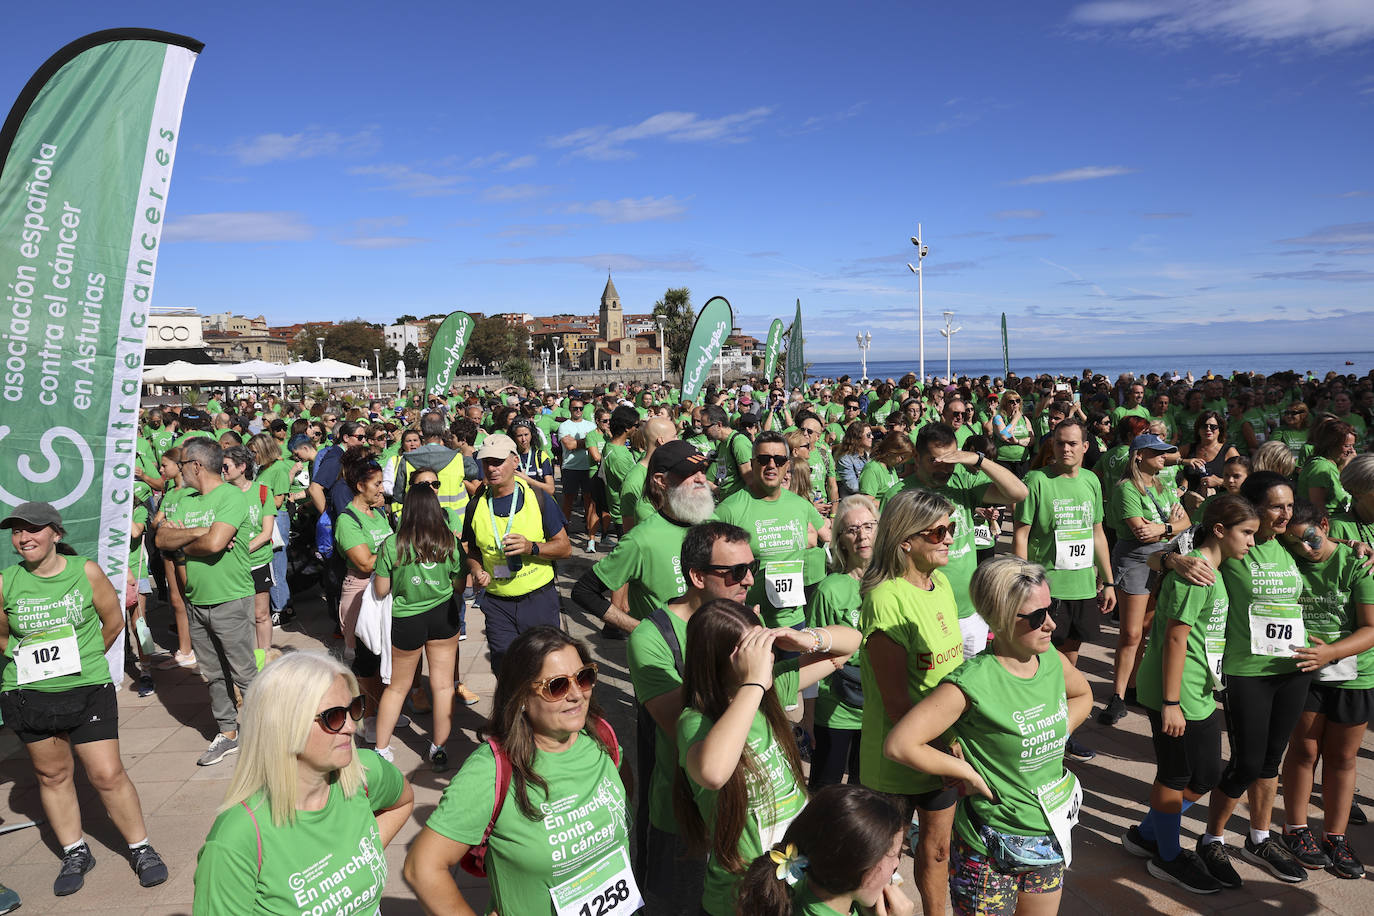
(161, 736)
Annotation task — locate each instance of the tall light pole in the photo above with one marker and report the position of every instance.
(377, 361)
(319, 342)
(865, 341)
(921, 252)
(662, 361)
(948, 332)
(544, 356)
(557, 352)
(362, 364)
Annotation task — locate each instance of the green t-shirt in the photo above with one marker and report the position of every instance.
(617, 460)
(34, 605)
(1020, 428)
(353, 529)
(1331, 596)
(1155, 507)
(1061, 512)
(138, 568)
(584, 823)
(966, 491)
(418, 587)
(836, 600)
(738, 450)
(1267, 574)
(1322, 472)
(161, 438)
(926, 626)
(596, 439)
(1203, 609)
(227, 575)
(1140, 410)
(1347, 526)
(1013, 733)
(778, 535)
(822, 467)
(654, 673)
(1295, 439)
(328, 861)
(649, 560)
(277, 477)
(257, 508)
(877, 478)
(771, 807)
(633, 503)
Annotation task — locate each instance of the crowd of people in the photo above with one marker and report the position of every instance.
(854, 616)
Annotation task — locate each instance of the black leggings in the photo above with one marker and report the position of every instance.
(1261, 713)
(837, 749)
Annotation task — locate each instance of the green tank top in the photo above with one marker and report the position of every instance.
(37, 606)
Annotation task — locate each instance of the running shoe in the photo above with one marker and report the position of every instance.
(1274, 857)
(1357, 816)
(144, 685)
(439, 760)
(468, 697)
(1134, 842)
(148, 865)
(75, 864)
(9, 900)
(591, 545)
(220, 748)
(1078, 751)
(178, 660)
(463, 636)
(1302, 843)
(1113, 712)
(1217, 859)
(386, 754)
(1344, 862)
(1130, 698)
(1187, 871)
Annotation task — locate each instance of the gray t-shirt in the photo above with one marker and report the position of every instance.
(577, 459)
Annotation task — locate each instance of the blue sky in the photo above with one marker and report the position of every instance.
(1135, 177)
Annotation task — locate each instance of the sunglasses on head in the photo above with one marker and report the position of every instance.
(778, 460)
(735, 572)
(432, 484)
(334, 718)
(1036, 618)
(937, 534)
(556, 688)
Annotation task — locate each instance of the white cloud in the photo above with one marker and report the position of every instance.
(368, 234)
(607, 143)
(631, 210)
(519, 162)
(1083, 173)
(626, 263)
(1029, 237)
(408, 180)
(511, 192)
(1325, 23)
(306, 144)
(1346, 238)
(1018, 214)
(245, 226)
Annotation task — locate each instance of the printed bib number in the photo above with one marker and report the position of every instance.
(1060, 801)
(1276, 629)
(607, 888)
(771, 834)
(983, 536)
(51, 653)
(1344, 669)
(1073, 549)
(782, 583)
(1215, 647)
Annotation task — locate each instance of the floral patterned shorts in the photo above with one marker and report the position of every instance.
(977, 887)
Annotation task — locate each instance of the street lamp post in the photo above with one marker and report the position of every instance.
(948, 332)
(558, 351)
(865, 341)
(921, 252)
(377, 362)
(544, 357)
(662, 359)
(362, 364)
(319, 342)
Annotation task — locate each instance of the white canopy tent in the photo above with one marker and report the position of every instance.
(180, 372)
(257, 369)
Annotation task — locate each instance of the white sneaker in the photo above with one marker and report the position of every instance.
(591, 545)
(386, 754)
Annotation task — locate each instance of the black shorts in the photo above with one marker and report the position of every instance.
(1192, 760)
(597, 490)
(1075, 618)
(262, 579)
(1342, 705)
(576, 483)
(412, 632)
(83, 714)
(366, 663)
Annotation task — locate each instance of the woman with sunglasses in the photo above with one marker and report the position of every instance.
(1292, 430)
(174, 490)
(307, 817)
(838, 716)
(1319, 482)
(417, 566)
(910, 622)
(359, 531)
(535, 466)
(741, 781)
(851, 456)
(1178, 680)
(1209, 449)
(884, 471)
(238, 470)
(563, 818)
(1012, 432)
(1009, 712)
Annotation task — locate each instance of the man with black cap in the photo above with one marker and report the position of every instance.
(512, 533)
(646, 560)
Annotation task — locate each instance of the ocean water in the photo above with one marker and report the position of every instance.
(1113, 366)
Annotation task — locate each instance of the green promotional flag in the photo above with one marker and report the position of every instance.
(1006, 359)
(88, 151)
(796, 360)
(708, 336)
(770, 357)
(446, 353)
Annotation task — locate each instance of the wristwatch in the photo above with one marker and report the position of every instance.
(534, 548)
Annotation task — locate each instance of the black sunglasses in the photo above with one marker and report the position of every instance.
(734, 573)
(556, 688)
(778, 460)
(334, 718)
(1036, 618)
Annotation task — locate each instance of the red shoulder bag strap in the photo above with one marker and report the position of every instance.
(257, 831)
(607, 734)
(474, 860)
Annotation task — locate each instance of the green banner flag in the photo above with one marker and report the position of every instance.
(1006, 359)
(88, 151)
(771, 349)
(796, 359)
(446, 353)
(714, 322)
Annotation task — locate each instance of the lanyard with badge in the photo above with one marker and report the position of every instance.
(502, 569)
(47, 654)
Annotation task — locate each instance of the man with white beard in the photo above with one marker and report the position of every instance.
(644, 571)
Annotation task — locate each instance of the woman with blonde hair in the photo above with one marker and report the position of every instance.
(1274, 456)
(1009, 712)
(1009, 428)
(910, 623)
(301, 795)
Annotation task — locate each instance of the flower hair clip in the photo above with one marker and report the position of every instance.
(790, 863)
